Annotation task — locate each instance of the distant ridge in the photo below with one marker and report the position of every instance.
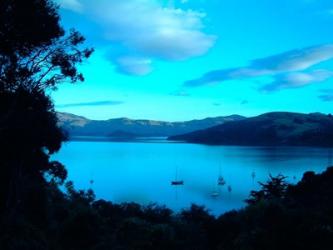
(81, 126)
(275, 128)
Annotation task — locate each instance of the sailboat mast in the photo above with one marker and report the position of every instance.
(176, 172)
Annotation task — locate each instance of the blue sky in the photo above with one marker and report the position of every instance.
(190, 59)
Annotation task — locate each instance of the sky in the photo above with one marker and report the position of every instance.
(177, 60)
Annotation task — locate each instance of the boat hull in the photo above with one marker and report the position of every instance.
(177, 183)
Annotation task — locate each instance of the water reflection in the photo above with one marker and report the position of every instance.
(142, 172)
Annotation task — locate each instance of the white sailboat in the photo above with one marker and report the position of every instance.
(215, 194)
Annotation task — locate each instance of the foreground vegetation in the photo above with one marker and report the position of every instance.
(35, 214)
(280, 216)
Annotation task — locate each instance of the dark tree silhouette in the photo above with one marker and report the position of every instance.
(36, 55)
(274, 189)
(35, 52)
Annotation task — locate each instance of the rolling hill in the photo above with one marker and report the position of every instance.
(276, 129)
(124, 127)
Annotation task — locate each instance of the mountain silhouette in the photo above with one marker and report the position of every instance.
(276, 129)
(81, 126)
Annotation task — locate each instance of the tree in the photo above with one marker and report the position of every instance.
(274, 189)
(36, 55)
(35, 52)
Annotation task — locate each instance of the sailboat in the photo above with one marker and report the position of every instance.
(220, 179)
(215, 194)
(91, 181)
(253, 175)
(177, 182)
(229, 188)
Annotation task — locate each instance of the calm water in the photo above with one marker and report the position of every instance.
(142, 172)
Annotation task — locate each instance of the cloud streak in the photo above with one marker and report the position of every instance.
(89, 104)
(146, 29)
(136, 66)
(276, 65)
(327, 95)
(297, 80)
(180, 93)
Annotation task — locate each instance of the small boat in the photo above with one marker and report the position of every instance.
(91, 181)
(221, 181)
(177, 183)
(253, 175)
(215, 194)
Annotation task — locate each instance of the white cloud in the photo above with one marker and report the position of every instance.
(147, 29)
(74, 5)
(297, 79)
(181, 93)
(294, 60)
(327, 95)
(133, 66)
(290, 61)
(89, 104)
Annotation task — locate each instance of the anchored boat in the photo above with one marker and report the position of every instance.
(177, 182)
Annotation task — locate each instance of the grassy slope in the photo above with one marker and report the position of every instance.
(278, 128)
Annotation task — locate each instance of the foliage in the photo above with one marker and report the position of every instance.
(35, 55)
(274, 189)
(300, 219)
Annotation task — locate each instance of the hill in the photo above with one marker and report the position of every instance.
(81, 126)
(276, 129)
